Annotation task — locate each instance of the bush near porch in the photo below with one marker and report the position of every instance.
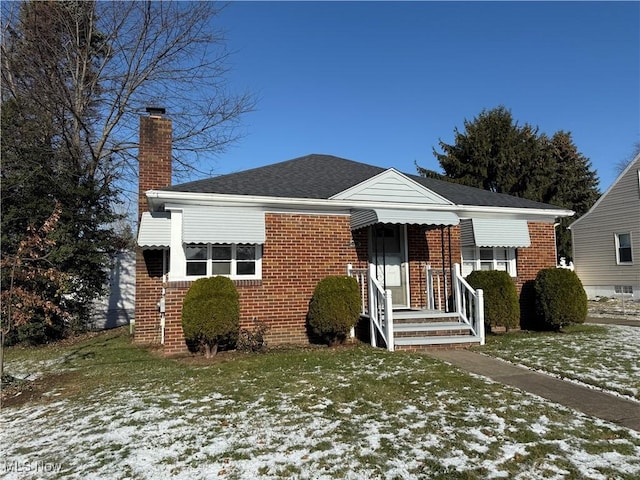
(560, 299)
(334, 308)
(501, 305)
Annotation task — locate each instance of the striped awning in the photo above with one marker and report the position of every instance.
(494, 232)
(223, 225)
(364, 218)
(155, 230)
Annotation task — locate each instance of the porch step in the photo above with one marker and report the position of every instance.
(399, 315)
(435, 340)
(429, 327)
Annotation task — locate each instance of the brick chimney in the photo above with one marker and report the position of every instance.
(154, 154)
(154, 171)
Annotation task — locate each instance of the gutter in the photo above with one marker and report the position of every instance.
(157, 198)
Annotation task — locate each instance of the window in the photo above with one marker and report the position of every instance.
(623, 248)
(495, 258)
(234, 260)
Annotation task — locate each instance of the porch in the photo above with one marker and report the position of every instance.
(453, 317)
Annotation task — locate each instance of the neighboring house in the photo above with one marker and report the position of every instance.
(117, 306)
(606, 239)
(279, 229)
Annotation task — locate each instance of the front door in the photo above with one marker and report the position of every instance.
(389, 258)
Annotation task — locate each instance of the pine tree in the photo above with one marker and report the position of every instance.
(495, 153)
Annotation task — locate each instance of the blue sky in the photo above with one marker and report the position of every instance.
(382, 82)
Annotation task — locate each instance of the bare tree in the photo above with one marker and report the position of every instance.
(98, 65)
(622, 164)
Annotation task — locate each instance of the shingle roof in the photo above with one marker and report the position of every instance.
(322, 176)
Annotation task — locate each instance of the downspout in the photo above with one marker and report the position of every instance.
(162, 304)
(450, 262)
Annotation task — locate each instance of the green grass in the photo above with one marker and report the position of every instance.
(602, 356)
(297, 412)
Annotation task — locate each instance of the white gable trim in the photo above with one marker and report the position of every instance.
(391, 186)
(611, 187)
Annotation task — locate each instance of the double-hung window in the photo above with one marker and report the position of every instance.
(489, 258)
(624, 254)
(238, 261)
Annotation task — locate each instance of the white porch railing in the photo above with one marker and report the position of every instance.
(436, 284)
(380, 310)
(469, 304)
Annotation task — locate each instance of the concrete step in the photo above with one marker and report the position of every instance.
(422, 315)
(429, 327)
(435, 340)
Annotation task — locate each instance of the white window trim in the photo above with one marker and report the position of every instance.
(617, 243)
(234, 262)
(511, 259)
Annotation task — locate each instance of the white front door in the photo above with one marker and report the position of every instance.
(389, 256)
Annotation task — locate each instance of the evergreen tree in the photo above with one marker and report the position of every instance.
(495, 153)
(45, 164)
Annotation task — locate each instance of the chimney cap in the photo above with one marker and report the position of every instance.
(156, 111)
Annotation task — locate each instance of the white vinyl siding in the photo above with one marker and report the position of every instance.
(595, 253)
(392, 186)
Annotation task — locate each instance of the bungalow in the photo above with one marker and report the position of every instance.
(279, 229)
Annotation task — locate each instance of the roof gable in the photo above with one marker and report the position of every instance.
(326, 177)
(628, 180)
(391, 186)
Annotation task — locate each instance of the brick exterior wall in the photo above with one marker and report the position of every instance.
(424, 245)
(154, 158)
(299, 251)
(302, 249)
(529, 261)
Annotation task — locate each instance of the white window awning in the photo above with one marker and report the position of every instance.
(223, 225)
(494, 232)
(155, 230)
(364, 218)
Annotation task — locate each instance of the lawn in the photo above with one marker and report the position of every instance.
(606, 357)
(103, 408)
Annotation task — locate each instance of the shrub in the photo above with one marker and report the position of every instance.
(560, 298)
(211, 314)
(501, 306)
(253, 340)
(334, 308)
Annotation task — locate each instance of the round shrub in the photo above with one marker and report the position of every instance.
(211, 314)
(334, 308)
(560, 298)
(501, 306)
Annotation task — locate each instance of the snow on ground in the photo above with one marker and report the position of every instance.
(604, 307)
(610, 362)
(164, 431)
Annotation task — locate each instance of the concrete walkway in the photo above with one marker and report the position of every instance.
(629, 321)
(592, 402)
